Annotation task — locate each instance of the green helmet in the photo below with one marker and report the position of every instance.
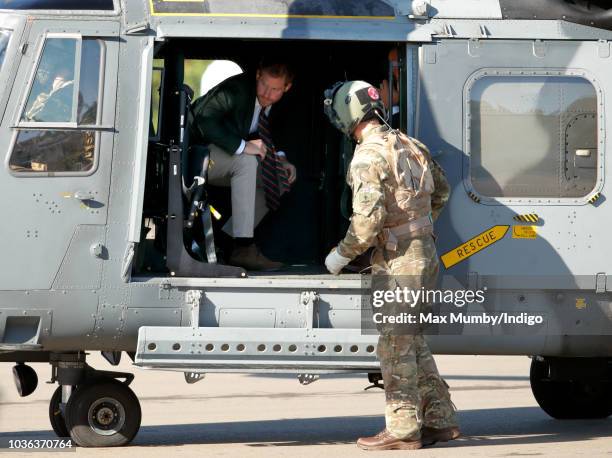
(347, 104)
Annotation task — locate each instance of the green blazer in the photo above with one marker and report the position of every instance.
(223, 116)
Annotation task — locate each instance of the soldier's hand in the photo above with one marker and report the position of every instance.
(335, 262)
(255, 148)
(289, 169)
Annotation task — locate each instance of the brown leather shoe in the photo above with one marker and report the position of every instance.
(384, 440)
(430, 436)
(250, 258)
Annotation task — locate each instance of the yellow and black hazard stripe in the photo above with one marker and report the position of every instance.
(594, 198)
(527, 218)
(474, 197)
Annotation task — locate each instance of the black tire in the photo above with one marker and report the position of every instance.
(103, 414)
(58, 422)
(575, 399)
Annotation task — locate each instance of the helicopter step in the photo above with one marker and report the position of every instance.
(255, 349)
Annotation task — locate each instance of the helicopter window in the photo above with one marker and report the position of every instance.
(5, 36)
(64, 95)
(157, 81)
(56, 4)
(52, 96)
(89, 82)
(533, 136)
(53, 151)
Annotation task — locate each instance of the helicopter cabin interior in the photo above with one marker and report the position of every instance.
(314, 215)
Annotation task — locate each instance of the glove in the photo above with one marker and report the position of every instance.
(335, 262)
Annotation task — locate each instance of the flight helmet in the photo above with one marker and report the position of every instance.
(347, 103)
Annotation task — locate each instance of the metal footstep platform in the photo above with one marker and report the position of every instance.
(225, 349)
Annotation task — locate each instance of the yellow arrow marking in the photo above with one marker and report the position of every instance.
(474, 245)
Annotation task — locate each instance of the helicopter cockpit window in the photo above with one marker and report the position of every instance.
(63, 102)
(52, 96)
(533, 136)
(5, 36)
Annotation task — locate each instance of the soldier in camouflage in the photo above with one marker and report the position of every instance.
(398, 191)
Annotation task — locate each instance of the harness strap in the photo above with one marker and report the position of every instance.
(392, 235)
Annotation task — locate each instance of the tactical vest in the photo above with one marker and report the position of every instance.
(409, 186)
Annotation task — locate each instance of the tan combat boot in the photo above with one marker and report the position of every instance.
(250, 258)
(430, 436)
(384, 440)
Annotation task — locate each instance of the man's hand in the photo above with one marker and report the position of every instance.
(289, 168)
(255, 148)
(335, 262)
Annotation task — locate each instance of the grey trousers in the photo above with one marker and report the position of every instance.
(242, 173)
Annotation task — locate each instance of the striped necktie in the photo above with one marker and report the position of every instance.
(274, 177)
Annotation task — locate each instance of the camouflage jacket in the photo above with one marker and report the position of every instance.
(381, 197)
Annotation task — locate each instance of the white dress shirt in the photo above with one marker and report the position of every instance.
(254, 124)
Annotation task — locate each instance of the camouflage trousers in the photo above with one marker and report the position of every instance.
(415, 393)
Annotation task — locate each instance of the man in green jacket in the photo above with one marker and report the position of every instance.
(232, 119)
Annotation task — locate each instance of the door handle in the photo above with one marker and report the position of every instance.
(83, 195)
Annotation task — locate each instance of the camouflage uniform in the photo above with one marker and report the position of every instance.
(383, 199)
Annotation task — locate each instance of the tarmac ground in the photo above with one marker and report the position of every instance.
(252, 415)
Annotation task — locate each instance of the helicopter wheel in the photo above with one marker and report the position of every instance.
(572, 399)
(56, 417)
(103, 414)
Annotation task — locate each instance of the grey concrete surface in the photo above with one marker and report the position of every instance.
(240, 415)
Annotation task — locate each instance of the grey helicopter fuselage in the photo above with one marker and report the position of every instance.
(510, 97)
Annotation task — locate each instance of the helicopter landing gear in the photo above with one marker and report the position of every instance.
(572, 388)
(92, 407)
(103, 414)
(56, 412)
